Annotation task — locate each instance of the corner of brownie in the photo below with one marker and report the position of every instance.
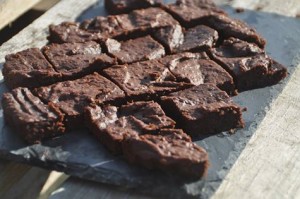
(29, 116)
(203, 109)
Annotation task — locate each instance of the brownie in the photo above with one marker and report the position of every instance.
(198, 38)
(77, 59)
(190, 15)
(135, 24)
(28, 68)
(111, 124)
(125, 6)
(203, 110)
(144, 80)
(73, 96)
(134, 50)
(69, 32)
(171, 151)
(171, 37)
(196, 69)
(228, 27)
(29, 116)
(248, 64)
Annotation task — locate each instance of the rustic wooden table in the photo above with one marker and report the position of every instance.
(269, 166)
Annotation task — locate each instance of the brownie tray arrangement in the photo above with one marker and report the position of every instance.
(143, 81)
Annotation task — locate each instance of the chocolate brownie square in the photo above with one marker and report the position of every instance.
(111, 124)
(69, 32)
(77, 59)
(71, 97)
(136, 23)
(28, 68)
(134, 50)
(30, 117)
(228, 27)
(194, 39)
(171, 151)
(198, 38)
(248, 64)
(196, 69)
(203, 109)
(190, 15)
(125, 6)
(144, 80)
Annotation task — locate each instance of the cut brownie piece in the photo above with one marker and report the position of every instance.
(111, 124)
(28, 68)
(125, 6)
(190, 15)
(144, 80)
(193, 68)
(77, 59)
(198, 38)
(73, 96)
(30, 117)
(137, 23)
(228, 27)
(170, 37)
(69, 32)
(194, 39)
(203, 109)
(140, 49)
(171, 151)
(249, 65)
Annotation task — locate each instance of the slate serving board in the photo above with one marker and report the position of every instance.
(78, 154)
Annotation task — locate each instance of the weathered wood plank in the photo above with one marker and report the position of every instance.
(21, 181)
(35, 34)
(269, 166)
(12, 9)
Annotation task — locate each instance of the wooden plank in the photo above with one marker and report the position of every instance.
(269, 166)
(21, 181)
(12, 9)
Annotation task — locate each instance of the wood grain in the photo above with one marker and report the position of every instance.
(12, 9)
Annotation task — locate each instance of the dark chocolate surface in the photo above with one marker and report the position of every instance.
(171, 151)
(248, 64)
(124, 6)
(28, 68)
(73, 96)
(144, 80)
(111, 125)
(134, 50)
(203, 109)
(77, 59)
(78, 154)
